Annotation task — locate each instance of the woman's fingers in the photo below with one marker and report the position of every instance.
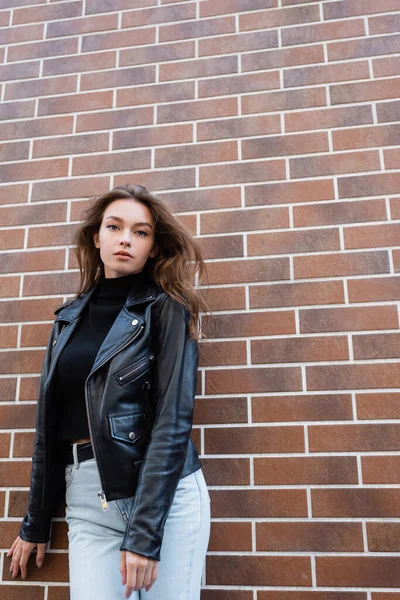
(40, 554)
(122, 566)
(20, 552)
(11, 550)
(153, 576)
(137, 572)
(140, 575)
(24, 560)
(15, 560)
(130, 580)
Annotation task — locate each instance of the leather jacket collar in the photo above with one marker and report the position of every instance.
(145, 289)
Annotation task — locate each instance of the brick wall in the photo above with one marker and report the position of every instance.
(272, 128)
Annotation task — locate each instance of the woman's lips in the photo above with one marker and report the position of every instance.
(125, 256)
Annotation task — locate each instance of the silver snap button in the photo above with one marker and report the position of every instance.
(55, 342)
(135, 322)
(131, 435)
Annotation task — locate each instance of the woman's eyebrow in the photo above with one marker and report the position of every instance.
(121, 220)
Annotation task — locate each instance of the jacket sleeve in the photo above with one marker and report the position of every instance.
(36, 524)
(175, 380)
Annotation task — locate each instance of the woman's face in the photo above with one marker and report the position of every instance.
(126, 225)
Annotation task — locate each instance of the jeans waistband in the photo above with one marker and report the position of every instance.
(77, 453)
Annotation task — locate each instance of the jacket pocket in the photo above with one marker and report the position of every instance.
(134, 370)
(129, 427)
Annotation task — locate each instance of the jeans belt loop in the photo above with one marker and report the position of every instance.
(75, 455)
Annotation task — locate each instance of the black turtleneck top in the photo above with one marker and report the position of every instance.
(79, 353)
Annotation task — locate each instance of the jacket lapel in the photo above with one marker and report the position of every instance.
(124, 329)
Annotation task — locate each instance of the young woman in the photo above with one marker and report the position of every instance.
(115, 408)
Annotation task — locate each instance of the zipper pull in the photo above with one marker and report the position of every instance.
(103, 500)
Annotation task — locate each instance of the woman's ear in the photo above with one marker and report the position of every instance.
(154, 251)
(96, 240)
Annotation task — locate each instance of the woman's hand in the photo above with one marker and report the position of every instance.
(20, 552)
(137, 571)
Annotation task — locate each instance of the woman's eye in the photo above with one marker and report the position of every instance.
(140, 231)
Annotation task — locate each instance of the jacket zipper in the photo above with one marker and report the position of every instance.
(101, 494)
(146, 386)
(139, 367)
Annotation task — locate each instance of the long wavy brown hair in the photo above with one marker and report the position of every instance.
(175, 266)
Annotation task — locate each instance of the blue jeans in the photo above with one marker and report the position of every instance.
(95, 536)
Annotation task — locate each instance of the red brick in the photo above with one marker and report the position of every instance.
(62, 593)
(297, 349)
(384, 24)
(363, 47)
(15, 474)
(226, 471)
(383, 537)
(331, 164)
(365, 137)
(350, 8)
(381, 469)
(355, 502)
(328, 118)
(19, 592)
(285, 100)
(289, 192)
(222, 353)
(309, 537)
(367, 290)
(238, 127)
(376, 437)
(284, 242)
(367, 185)
(230, 537)
(258, 503)
(244, 220)
(264, 269)
(311, 595)
(341, 264)
(348, 318)
(357, 571)
(249, 440)
(284, 145)
(209, 8)
(269, 323)
(48, 12)
(197, 29)
(245, 172)
(333, 213)
(259, 570)
(317, 32)
(296, 294)
(378, 405)
(23, 444)
(326, 73)
(348, 377)
(196, 153)
(302, 407)
(253, 380)
(17, 416)
(278, 17)
(220, 410)
(5, 445)
(372, 236)
(313, 470)
(203, 67)
(376, 346)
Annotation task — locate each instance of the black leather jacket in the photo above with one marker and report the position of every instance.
(139, 399)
